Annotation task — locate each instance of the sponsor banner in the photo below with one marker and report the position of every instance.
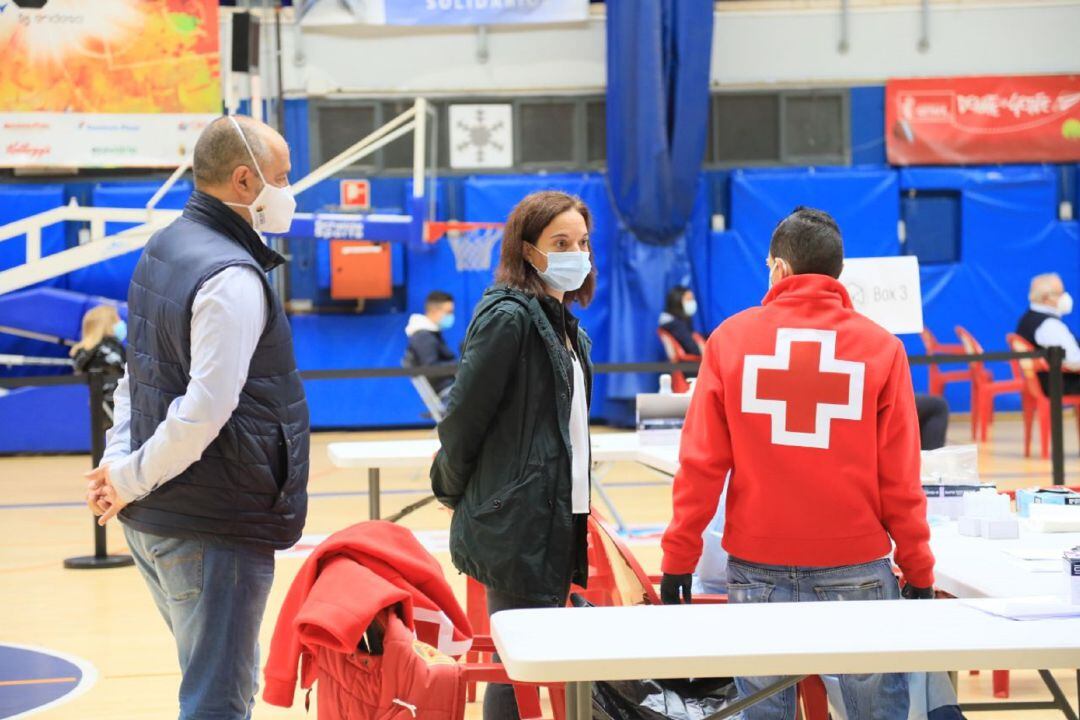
(109, 83)
(960, 120)
(323, 13)
(85, 140)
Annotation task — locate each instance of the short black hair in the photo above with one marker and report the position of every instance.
(673, 304)
(437, 297)
(809, 240)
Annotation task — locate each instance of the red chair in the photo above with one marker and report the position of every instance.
(676, 354)
(1037, 404)
(984, 388)
(939, 378)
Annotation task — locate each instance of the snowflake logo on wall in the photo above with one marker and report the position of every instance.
(481, 136)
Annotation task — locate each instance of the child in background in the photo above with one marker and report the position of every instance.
(101, 348)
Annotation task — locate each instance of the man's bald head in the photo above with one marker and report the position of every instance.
(1046, 288)
(220, 149)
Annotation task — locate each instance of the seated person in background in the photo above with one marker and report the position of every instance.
(426, 343)
(933, 415)
(1042, 326)
(679, 307)
(101, 348)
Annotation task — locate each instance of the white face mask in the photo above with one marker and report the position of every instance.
(566, 271)
(1065, 304)
(274, 206)
(690, 307)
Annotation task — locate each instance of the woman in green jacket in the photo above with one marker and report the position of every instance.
(515, 459)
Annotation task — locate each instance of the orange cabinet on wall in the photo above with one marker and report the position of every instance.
(360, 270)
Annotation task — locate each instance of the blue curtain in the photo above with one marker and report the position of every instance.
(658, 54)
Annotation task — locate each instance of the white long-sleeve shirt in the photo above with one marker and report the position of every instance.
(228, 317)
(1052, 332)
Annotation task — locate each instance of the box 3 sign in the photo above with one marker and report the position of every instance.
(887, 291)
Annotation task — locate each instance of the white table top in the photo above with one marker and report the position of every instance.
(622, 643)
(606, 447)
(968, 567)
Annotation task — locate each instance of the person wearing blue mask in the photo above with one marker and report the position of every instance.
(102, 348)
(677, 318)
(514, 463)
(427, 346)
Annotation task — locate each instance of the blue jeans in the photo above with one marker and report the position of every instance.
(212, 597)
(866, 697)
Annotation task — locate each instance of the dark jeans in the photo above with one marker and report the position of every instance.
(933, 420)
(499, 701)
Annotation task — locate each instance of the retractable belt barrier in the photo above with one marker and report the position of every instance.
(95, 379)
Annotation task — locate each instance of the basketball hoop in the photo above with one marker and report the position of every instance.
(471, 242)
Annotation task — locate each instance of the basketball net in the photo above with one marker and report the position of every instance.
(471, 242)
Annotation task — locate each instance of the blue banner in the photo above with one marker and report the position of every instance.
(484, 12)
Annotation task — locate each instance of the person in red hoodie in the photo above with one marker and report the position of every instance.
(805, 409)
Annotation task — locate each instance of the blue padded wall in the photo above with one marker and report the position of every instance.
(111, 278)
(18, 201)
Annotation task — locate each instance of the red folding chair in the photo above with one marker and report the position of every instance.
(676, 354)
(1037, 404)
(939, 378)
(984, 388)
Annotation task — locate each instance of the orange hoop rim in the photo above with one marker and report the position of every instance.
(435, 230)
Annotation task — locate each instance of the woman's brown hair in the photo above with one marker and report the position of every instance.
(97, 324)
(525, 225)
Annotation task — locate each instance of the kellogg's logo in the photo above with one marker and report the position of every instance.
(24, 148)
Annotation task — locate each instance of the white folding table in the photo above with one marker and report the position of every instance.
(581, 645)
(607, 448)
(971, 567)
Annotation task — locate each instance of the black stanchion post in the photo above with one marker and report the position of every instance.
(1055, 356)
(101, 557)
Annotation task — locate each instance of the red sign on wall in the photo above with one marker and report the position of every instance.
(356, 194)
(959, 120)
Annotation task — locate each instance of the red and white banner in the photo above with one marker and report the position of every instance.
(960, 120)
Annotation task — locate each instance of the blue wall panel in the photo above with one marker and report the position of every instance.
(18, 201)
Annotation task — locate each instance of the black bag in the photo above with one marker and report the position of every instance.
(691, 699)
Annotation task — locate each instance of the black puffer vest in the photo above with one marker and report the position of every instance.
(1029, 325)
(250, 486)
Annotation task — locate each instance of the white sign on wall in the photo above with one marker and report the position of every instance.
(481, 136)
(887, 291)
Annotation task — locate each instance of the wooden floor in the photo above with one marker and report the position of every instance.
(107, 617)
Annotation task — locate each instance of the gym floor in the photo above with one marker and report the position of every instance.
(106, 617)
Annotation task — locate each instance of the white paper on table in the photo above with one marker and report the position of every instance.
(1036, 553)
(1030, 608)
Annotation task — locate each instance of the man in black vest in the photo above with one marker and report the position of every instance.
(1042, 326)
(207, 463)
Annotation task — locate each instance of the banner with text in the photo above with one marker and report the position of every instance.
(113, 83)
(961, 120)
(315, 13)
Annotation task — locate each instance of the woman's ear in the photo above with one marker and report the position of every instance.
(533, 256)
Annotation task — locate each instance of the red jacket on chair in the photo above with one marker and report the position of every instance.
(810, 406)
(349, 580)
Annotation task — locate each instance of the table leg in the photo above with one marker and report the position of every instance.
(1060, 702)
(1059, 697)
(373, 493)
(739, 705)
(579, 700)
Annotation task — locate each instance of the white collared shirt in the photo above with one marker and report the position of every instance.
(228, 316)
(579, 442)
(1052, 332)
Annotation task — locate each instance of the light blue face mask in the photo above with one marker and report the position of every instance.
(566, 271)
(446, 322)
(120, 330)
(689, 307)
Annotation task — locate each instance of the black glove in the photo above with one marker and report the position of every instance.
(910, 592)
(672, 585)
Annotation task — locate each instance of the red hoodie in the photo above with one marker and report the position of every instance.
(810, 406)
(347, 581)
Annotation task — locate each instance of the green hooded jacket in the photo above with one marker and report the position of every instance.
(505, 461)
